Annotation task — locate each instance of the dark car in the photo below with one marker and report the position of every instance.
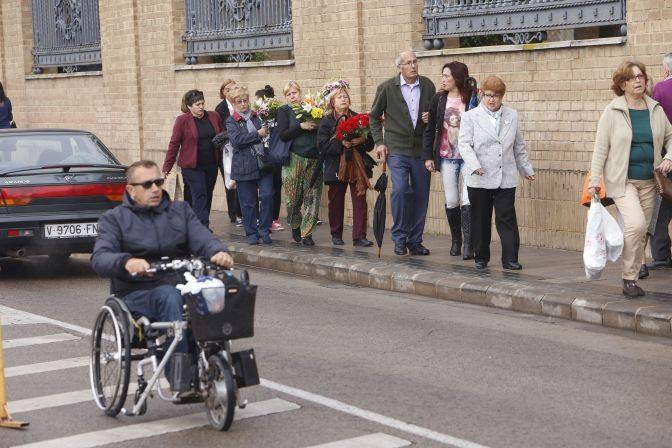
(54, 185)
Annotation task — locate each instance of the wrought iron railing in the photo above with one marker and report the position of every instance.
(456, 18)
(236, 27)
(66, 33)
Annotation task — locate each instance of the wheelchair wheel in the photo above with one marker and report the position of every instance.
(221, 401)
(110, 361)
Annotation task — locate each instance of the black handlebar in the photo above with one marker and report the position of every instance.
(197, 267)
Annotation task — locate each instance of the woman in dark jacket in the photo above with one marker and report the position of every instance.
(6, 116)
(255, 187)
(301, 200)
(224, 109)
(440, 150)
(191, 144)
(345, 163)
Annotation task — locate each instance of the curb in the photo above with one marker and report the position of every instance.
(526, 297)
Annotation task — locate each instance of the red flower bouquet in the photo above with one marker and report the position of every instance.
(353, 127)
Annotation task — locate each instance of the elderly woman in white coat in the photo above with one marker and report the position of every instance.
(494, 153)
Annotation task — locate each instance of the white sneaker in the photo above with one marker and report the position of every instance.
(239, 222)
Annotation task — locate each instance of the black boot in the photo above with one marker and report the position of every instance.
(453, 215)
(468, 249)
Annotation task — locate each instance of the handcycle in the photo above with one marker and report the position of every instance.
(215, 316)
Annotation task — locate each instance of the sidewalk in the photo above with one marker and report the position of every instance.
(552, 281)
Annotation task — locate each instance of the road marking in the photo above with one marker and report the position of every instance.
(308, 396)
(11, 316)
(377, 440)
(63, 399)
(50, 366)
(159, 427)
(371, 416)
(37, 340)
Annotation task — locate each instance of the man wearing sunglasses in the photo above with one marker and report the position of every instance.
(144, 228)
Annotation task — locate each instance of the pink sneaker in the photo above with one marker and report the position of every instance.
(276, 226)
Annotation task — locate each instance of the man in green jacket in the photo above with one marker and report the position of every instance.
(404, 101)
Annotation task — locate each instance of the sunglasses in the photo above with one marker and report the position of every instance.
(148, 183)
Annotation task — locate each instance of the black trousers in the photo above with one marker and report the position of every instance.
(483, 200)
(277, 191)
(660, 241)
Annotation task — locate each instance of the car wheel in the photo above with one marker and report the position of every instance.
(60, 257)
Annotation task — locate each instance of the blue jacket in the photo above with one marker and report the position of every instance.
(244, 162)
(132, 231)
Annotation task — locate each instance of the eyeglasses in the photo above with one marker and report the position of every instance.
(492, 96)
(148, 183)
(640, 77)
(415, 62)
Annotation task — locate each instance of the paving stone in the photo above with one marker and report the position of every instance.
(448, 287)
(558, 305)
(654, 319)
(424, 284)
(380, 277)
(621, 314)
(528, 300)
(500, 295)
(474, 291)
(589, 309)
(359, 273)
(404, 281)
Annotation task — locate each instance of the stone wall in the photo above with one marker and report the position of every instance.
(559, 89)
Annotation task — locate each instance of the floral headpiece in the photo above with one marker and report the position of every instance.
(331, 87)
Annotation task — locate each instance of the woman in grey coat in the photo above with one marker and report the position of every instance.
(493, 150)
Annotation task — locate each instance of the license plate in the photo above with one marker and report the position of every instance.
(71, 230)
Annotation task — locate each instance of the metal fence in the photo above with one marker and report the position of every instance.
(236, 27)
(455, 18)
(66, 33)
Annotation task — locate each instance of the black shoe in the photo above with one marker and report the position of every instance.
(362, 242)
(417, 249)
(643, 271)
(656, 264)
(631, 289)
(308, 241)
(512, 265)
(400, 249)
(481, 264)
(337, 241)
(296, 235)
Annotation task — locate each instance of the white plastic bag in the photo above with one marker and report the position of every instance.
(227, 156)
(613, 235)
(595, 246)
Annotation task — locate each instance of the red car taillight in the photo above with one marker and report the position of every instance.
(25, 195)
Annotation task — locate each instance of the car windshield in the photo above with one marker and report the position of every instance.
(22, 151)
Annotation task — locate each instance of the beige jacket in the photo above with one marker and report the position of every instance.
(611, 154)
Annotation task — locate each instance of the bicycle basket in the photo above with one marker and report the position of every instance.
(222, 313)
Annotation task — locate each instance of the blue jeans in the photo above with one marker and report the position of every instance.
(410, 196)
(161, 304)
(250, 194)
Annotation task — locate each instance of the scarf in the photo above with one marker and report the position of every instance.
(353, 171)
(257, 148)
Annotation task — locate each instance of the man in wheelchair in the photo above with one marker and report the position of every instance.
(148, 225)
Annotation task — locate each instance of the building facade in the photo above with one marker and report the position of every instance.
(126, 87)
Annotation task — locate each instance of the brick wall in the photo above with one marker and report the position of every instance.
(133, 103)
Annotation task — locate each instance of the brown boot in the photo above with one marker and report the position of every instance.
(631, 289)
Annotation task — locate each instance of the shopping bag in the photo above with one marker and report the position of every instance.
(278, 149)
(227, 158)
(586, 197)
(174, 185)
(613, 235)
(594, 245)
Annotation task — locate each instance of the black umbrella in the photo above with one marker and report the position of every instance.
(379, 210)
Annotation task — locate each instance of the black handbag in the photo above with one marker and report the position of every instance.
(264, 165)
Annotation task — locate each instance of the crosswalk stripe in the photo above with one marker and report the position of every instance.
(159, 427)
(49, 366)
(37, 340)
(11, 316)
(377, 440)
(63, 399)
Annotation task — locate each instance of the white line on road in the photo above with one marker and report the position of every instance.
(63, 399)
(377, 440)
(158, 427)
(14, 316)
(37, 340)
(49, 366)
(371, 416)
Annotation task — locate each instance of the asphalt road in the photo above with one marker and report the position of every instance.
(341, 362)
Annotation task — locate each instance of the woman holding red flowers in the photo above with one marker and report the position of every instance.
(344, 141)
